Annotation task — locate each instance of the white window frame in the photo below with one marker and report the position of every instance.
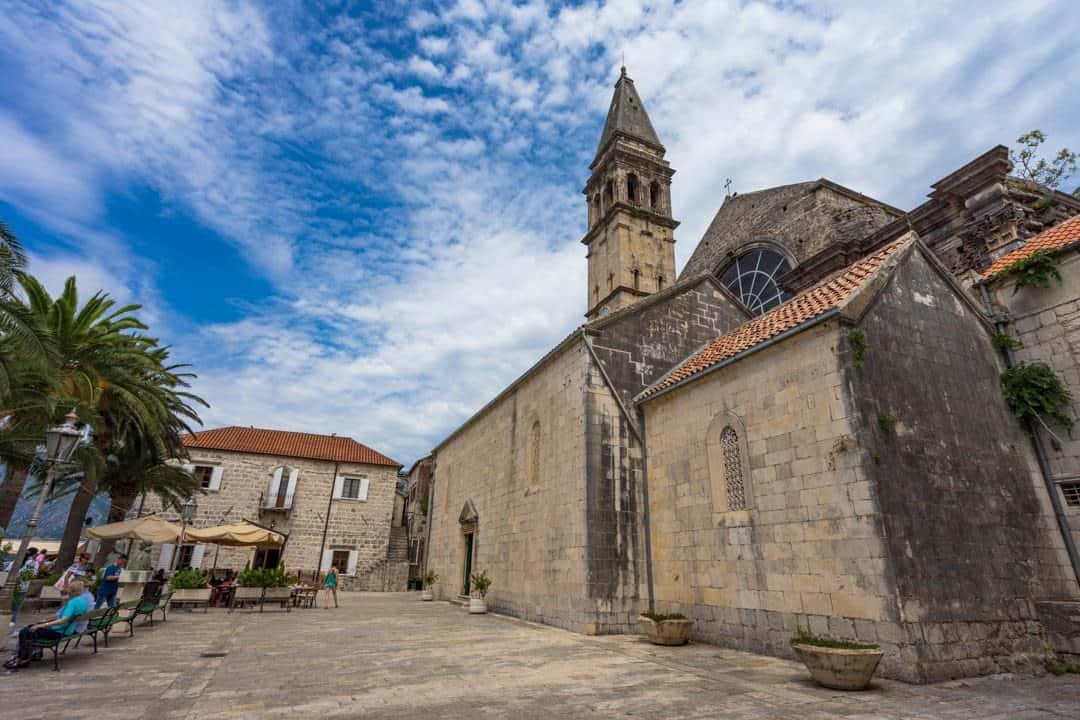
(339, 488)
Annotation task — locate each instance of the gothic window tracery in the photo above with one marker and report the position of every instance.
(632, 189)
(733, 469)
(754, 278)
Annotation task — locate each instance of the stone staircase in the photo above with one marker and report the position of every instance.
(399, 545)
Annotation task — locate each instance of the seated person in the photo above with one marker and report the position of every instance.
(61, 627)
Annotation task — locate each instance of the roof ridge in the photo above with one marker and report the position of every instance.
(809, 305)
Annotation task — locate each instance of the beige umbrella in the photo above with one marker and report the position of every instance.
(237, 535)
(150, 528)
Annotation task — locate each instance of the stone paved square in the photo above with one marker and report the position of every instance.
(388, 655)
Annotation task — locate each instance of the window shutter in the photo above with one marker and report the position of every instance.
(215, 478)
(197, 556)
(275, 483)
(363, 489)
(352, 563)
(290, 489)
(339, 481)
(327, 558)
(165, 558)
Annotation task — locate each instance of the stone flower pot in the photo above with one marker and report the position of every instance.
(666, 632)
(426, 595)
(248, 593)
(477, 606)
(278, 593)
(185, 595)
(839, 668)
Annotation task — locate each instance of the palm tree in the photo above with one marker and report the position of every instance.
(105, 364)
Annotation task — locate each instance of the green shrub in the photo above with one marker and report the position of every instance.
(1033, 391)
(480, 583)
(659, 617)
(1003, 342)
(1055, 667)
(1036, 270)
(858, 346)
(264, 577)
(190, 580)
(428, 577)
(803, 636)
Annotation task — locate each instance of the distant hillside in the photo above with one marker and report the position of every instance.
(54, 516)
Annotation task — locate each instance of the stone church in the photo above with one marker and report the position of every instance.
(805, 427)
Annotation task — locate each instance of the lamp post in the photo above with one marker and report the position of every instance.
(60, 443)
(187, 514)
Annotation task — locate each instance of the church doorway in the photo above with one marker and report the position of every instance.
(469, 520)
(466, 579)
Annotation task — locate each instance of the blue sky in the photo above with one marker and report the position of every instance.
(364, 218)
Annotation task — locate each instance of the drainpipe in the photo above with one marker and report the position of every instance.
(646, 514)
(326, 524)
(1040, 453)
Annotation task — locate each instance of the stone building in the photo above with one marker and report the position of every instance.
(418, 503)
(805, 429)
(333, 496)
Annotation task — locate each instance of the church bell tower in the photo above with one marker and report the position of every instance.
(631, 236)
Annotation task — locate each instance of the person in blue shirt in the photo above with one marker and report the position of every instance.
(61, 627)
(110, 583)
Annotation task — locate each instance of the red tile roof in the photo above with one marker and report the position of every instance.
(288, 444)
(807, 305)
(1058, 237)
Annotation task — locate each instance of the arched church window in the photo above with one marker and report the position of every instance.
(754, 278)
(733, 469)
(637, 278)
(659, 282)
(596, 207)
(654, 195)
(609, 194)
(632, 189)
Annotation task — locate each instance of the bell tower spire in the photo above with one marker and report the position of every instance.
(631, 240)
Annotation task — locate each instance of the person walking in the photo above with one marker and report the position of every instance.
(330, 586)
(63, 626)
(110, 583)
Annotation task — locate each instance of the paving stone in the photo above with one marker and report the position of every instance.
(388, 655)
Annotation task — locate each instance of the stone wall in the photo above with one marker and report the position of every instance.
(807, 549)
(971, 540)
(803, 219)
(361, 526)
(520, 464)
(1046, 321)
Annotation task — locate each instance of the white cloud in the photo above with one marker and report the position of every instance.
(423, 242)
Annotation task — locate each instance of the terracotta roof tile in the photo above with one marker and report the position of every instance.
(1058, 237)
(288, 444)
(806, 306)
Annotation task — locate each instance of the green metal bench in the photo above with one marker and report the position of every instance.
(149, 607)
(54, 644)
(100, 623)
(131, 608)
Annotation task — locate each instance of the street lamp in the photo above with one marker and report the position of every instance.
(60, 443)
(187, 514)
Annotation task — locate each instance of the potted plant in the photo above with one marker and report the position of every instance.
(263, 584)
(428, 578)
(478, 601)
(662, 629)
(836, 664)
(190, 586)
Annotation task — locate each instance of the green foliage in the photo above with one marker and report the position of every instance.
(1003, 342)
(189, 580)
(480, 583)
(1034, 392)
(858, 346)
(1055, 667)
(887, 423)
(428, 577)
(1029, 166)
(659, 617)
(1036, 270)
(264, 577)
(803, 636)
(424, 506)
